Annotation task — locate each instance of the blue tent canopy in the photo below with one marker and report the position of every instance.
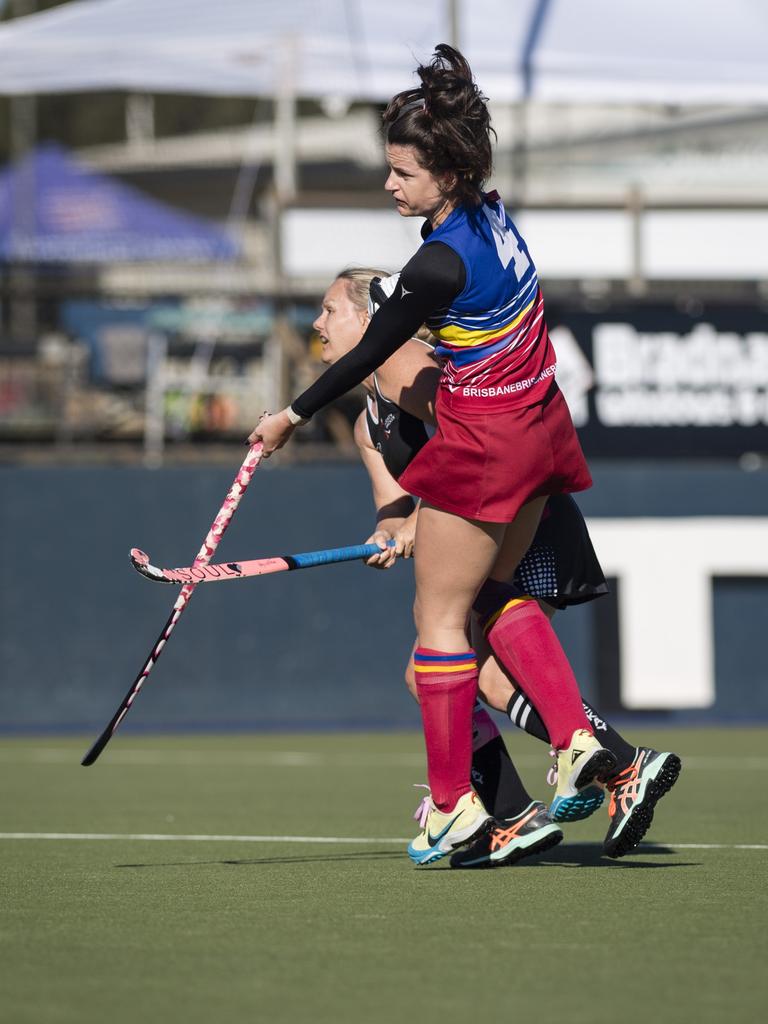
(56, 210)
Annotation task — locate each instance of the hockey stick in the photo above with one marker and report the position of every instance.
(204, 555)
(256, 567)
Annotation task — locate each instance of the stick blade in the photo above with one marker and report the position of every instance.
(140, 562)
(97, 747)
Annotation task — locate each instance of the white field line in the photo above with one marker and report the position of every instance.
(309, 759)
(201, 758)
(165, 838)
(330, 840)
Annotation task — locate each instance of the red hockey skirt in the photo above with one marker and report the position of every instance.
(487, 463)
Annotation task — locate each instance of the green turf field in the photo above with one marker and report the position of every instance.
(129, 929)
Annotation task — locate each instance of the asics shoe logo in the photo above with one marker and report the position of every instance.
(576, 754)
(629, 793)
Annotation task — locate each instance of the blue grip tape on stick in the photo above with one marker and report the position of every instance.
(310, 558)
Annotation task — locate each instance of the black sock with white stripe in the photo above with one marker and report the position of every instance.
(525, 716)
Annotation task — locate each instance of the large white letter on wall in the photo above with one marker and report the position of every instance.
(666, 626)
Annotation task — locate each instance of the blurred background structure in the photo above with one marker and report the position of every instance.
(182, 181)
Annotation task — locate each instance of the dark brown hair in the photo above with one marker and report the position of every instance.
(447, 121)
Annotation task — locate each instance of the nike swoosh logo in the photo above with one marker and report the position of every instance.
(434, 841)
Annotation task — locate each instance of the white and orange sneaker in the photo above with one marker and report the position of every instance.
(634, 795)
(510, 839)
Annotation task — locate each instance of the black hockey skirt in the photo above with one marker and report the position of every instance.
(561, 567)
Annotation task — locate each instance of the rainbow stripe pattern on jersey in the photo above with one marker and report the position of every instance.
(493, 337)
(430, 662)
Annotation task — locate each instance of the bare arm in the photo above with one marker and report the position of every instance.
(395, 510)
(391, 501)
(409, 378)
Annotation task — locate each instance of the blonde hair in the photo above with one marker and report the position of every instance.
(358, 282)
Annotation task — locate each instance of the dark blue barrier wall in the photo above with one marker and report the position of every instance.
(320, 647)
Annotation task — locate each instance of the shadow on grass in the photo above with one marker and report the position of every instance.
(590, 855)
(567, 855)
(242, 861)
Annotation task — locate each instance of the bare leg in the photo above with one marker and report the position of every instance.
(518, 540)
(453, 558)
(410, 675)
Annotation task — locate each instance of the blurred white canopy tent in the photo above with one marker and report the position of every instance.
(553, 50)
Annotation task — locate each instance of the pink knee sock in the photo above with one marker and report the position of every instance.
(447, 686)
(526, 644)
(483, 727)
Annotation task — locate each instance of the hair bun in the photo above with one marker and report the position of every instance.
(446, 120)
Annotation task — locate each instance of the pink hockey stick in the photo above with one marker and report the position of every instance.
(254, 567)
(204, 555)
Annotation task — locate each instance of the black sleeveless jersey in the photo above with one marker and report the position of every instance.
(395, 433)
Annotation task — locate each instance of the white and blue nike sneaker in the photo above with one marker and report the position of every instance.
(444, 832)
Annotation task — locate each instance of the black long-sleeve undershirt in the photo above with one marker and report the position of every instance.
(430, 280)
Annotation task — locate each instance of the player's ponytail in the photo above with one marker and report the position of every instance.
(447, 121)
